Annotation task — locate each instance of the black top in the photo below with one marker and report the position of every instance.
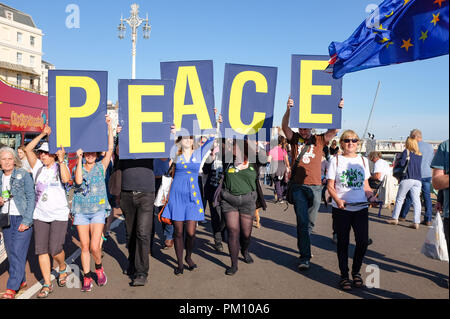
(137, 175)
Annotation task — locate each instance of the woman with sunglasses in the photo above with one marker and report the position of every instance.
(348, 185)
(17, 200)
(90, 207)
(185, 206)
(51, 214)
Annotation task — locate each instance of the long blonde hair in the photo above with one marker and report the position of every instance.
(412, 145)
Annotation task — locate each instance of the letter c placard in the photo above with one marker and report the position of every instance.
(248, 100)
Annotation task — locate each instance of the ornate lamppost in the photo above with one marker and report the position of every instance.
(134, 21)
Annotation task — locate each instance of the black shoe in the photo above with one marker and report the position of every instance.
(247, 258)
(178, 271)
(140, 280)
(130, 271)
(369, 242)
(231, 271)
(218, 247)
(189, 267)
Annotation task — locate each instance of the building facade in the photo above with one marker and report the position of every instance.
(21, 62)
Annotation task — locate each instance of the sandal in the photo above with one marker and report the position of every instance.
(345, 284)
(9, 294)
(45, 291)
(62, 281)
(357, 280)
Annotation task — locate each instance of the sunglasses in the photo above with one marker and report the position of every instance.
(353, 140)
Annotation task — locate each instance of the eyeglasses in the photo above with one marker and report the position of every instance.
(353, 140)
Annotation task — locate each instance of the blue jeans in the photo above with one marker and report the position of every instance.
(16, 244)
(303, 222)
(426, 191)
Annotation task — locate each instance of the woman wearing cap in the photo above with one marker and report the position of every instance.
(348, 185)
(51, 213)
(17, 200)
(185, 206)
(90, 207)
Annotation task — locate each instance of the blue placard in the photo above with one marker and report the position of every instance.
(315, 93)
(77, 107)
(193, 95)
(146, 115)
(248, 101)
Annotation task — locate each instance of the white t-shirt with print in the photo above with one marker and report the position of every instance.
(50, 194)
(349, 179)
(381, 166)
(6, 188)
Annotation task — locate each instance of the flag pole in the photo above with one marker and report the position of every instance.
(371, 111)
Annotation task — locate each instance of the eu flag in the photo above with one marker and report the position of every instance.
(397, 31)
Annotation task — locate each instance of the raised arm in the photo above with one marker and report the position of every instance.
(63, 168)
(31, 156)
(285, 122)
(107, 159)
(79, 169)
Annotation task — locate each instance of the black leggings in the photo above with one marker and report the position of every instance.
(239, 232)
(343, 221)
(179, 241)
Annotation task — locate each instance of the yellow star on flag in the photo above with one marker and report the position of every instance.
(384, 40)
(439, 2)
(406, 1)
(388, 44)
(435, 18)
(390, 14)
(381, 27)
(407, 44)
(424, 36)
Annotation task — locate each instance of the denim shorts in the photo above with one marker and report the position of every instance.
(89, 218)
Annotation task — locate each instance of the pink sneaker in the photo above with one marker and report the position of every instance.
(101, 277)
(87, 284)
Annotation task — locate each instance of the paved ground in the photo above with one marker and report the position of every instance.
(403, 271)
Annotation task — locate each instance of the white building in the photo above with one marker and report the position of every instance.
(21, 51)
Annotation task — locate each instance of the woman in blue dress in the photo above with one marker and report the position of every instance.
(185, 207)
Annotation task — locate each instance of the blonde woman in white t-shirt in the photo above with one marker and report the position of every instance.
(348, 185)
(51, 213)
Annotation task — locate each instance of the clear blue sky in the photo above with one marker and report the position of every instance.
(255, 32)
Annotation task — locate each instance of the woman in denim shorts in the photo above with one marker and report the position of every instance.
(90, 208)
(239, 196)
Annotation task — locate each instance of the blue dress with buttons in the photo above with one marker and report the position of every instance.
(185, 201)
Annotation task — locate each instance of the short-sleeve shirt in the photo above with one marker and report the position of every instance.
(308, 170)
(51, 200)
(382, 167)
(349, 174)
(441, 161)
(277, 153)
(91, 196)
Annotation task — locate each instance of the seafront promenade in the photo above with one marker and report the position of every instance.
(393, 264)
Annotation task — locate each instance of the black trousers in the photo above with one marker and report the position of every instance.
(343, 221)
(217, 220)
(137, 208)
(446, 229)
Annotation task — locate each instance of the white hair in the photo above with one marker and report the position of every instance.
(17, 161)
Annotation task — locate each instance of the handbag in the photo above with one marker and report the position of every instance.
(165, 187)
(399, 172)
(289, 193)
(5, 220)
(3, 254)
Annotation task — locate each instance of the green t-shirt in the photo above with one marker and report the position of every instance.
(240, 182)
(441, 161)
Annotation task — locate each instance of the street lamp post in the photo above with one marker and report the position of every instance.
(134, 21)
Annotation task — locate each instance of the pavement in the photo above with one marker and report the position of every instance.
(393, 266)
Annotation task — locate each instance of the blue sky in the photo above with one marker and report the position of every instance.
(254, 32)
